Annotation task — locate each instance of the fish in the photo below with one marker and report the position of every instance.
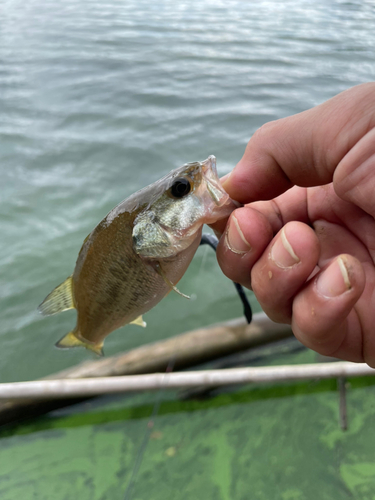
(138, 253)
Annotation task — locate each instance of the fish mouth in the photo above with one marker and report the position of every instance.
(214, 187)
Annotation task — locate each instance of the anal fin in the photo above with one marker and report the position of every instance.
(60, 299)
(139, 321)
(71, 340)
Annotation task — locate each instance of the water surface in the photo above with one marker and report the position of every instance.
(99, 99)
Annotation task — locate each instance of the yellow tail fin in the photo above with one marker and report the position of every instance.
(71, 340)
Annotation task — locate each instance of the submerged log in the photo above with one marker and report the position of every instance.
(187, 350)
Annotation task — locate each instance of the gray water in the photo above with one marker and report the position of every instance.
(99, 99)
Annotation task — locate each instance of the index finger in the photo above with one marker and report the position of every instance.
(304, 149)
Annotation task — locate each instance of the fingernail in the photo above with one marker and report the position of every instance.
(225, 178)
(235, 239)
(334, 280)
(282, 252)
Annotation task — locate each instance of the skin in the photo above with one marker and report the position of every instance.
(307, 250)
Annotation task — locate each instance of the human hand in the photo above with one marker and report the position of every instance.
(308, 253)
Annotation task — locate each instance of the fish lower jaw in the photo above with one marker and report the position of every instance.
(221, 213)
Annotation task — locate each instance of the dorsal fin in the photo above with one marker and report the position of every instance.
(60, 299)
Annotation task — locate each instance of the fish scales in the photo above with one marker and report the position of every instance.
(137, 254)
(99, 307)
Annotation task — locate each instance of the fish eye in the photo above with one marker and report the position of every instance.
(180, 188)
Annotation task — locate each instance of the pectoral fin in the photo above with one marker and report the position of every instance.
(159, 270)
(71, 340)
(139, 321)
(60, 299)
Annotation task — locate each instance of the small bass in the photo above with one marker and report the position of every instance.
(137, 254)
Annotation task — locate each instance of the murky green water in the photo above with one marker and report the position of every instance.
(98, 99)
(281, 442)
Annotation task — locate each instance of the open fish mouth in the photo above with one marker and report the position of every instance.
(213, 185)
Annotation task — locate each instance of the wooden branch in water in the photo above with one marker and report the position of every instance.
(156, 381)
(188, 349)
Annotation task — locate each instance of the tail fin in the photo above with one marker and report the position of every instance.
(71, 340)
(60, 299)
